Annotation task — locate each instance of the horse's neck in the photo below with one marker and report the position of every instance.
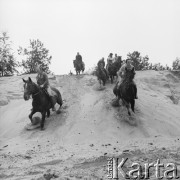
(128, 77)
(37, 92)
(100, 68)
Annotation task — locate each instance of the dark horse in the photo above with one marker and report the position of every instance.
(113, 68)
(41, 102)
(79, 66)
(101, 74)
(127, 90)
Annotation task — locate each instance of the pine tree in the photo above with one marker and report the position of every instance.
(7, 61)
(35, 54)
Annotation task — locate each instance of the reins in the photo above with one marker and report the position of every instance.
(35, 94)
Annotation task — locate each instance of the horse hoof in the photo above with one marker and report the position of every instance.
(58, 112)
(42, 128)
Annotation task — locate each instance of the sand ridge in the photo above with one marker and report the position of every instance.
(88, 128)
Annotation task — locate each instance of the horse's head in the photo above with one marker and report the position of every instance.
(129, 75)
(29, 88)
(101, 65)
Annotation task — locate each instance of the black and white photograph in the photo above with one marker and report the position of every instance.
(89, 89)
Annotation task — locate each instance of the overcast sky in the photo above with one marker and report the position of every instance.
(95, 28)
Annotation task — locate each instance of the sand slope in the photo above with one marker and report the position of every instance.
(88, 129)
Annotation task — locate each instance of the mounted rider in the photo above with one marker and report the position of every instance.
(78, 58)
(101, 64)
(43, 82)
(127, 66)
(109, 61)
(115, 58)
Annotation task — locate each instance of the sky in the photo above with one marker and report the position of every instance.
(94, 28)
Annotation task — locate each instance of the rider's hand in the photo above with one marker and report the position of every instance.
(42, 86)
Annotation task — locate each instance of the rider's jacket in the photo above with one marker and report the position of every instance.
(101, 61)
(79, 58)
(115, 59)
(109, 60)
(42, 78)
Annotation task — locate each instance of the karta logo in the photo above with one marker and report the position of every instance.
(138, 171)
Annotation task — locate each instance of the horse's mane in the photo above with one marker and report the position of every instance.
(129, 76)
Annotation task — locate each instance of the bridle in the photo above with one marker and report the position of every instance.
(35, 94)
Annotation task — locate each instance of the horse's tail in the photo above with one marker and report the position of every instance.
(59, 97)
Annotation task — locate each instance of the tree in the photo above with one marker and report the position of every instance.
(150, 66)
(138, 61)
(7, 61)
(176, 64)
(35, 54)
(144, 64)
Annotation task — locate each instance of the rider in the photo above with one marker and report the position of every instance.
(121, 74)
(101, 61)
(43, 82)
(109, 61)
(79, 59)
(115, 58)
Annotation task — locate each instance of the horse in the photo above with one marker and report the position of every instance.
(101, 74)
(126, 92)
(41, 100)
(113, 68)
(79, 66)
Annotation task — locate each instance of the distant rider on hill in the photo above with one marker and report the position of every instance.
(79, 58)
(101, 61)
(109, 61)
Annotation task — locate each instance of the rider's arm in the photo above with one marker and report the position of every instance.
(38, 80)
(46, 81)
(134, 70)
(121, 70)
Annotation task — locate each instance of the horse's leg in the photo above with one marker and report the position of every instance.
(103, 82)
(31, 114)
(111, 79)
(127, 106)
(48, 113)
(43, 119)
(100, 83)
(132, 104)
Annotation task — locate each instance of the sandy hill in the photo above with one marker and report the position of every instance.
(77, 142)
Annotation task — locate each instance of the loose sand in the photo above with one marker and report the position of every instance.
(77, 142)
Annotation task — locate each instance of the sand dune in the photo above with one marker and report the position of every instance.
(76, 143)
